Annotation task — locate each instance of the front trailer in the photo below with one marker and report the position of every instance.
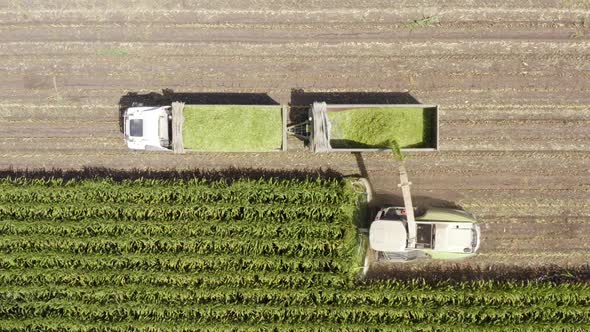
(207, 128)
(229, 128)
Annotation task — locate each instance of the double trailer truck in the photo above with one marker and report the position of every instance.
(395, 235)
(258, 128)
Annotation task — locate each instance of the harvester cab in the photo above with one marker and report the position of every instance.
(402, 234)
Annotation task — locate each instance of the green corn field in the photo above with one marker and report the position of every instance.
(241, 255)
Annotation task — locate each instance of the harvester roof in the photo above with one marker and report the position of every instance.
(388, 235)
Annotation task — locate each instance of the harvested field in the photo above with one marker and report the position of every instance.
(512, 79)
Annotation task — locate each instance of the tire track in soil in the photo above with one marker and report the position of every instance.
(59, 129)
(532, 134)
(371, 13)
(434, 49)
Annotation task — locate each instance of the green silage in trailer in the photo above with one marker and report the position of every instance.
(245, 255)
(376, 127)
(232, 128)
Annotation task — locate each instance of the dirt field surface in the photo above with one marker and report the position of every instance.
(512, 81)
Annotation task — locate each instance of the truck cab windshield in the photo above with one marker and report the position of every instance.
(136, 127)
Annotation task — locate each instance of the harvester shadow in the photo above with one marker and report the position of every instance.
(422, 202)
(346, 143)
(167, 96)
(360, 162)
(388, 199)
(435, 274)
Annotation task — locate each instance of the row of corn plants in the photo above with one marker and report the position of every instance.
(262, 183)
(59, 324)
(170, 262)
(29, 277)
(276, 212)
(167, 195)
(204, 246)
(245, 313)
(534, 295)
(333, 288)
(176, 229)
(402, 292)
(247, 191)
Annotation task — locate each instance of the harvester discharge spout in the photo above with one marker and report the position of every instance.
(405, 186)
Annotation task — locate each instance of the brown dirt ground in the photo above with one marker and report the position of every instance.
(512, 80)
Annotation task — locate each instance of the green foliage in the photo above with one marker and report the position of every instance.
(396, 150)
(113, 52)
(251, 255)
(173, 229)
(423, 22)
(411, 127)
(139, 212)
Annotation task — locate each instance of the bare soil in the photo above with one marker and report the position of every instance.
(512, 80)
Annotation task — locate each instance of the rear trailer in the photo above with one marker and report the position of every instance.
(367, 128)
(229, 128)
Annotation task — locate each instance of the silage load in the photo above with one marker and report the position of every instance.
(376, 127)
(232, 128)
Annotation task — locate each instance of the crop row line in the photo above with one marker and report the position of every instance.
(295, 314)
(62, 324)
(29, 277)
(274, 212)
(274, 184)
(295, 297)
(296, 229)
(243, 246)
(177, 263)
(168, 195)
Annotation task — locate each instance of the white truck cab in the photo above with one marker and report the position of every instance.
(440, 234)
(148, 128)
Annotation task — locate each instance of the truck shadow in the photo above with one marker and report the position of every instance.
(167, 96)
